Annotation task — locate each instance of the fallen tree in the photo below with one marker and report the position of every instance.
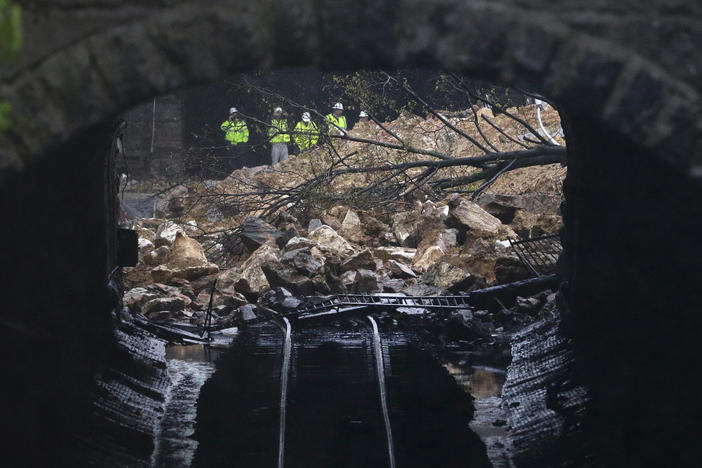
(425, 153)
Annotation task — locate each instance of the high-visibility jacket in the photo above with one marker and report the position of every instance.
(306, 134)
(235, 132)
(277, 131)
(336, 122)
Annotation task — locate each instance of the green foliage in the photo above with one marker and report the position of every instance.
(5, 122)
(10, 28)
(10, 45)
(370, 91)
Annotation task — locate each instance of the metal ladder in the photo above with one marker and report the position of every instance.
(362, 301)
(538, 254)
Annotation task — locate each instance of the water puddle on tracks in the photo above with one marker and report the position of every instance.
(189, 367)
(484, 384)
(338, 412)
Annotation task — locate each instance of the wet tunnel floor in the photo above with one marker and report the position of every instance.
(334, 413)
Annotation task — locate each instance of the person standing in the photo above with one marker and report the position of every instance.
(279, 136)
(363, 117)
(236, 133)
(306, 133)
(336, 119)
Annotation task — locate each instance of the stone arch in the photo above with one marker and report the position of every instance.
(133, 51)
(85, 61)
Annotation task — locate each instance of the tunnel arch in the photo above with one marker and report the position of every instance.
(86, 77)
(97, 58)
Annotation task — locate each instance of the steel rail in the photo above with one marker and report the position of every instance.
(380, 367)
(284, 373)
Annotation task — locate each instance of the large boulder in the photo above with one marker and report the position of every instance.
(137, 276)
(255, 232)
(298, 243)
(186, 260)
(367, 281)
(480, 262)
(245, 313)
(375, 230)
(399, 270)
(171, 203)
(508, 268)
(328, 240)
(503, 207)
(279, 298)
(163, 304)
(410, 228)
(435, 245)
(401, 254)
(157, 256)
(450, 277)
(278, 274)
(135, 298)
(162, 274)
(347, 279)
(221, 297)
(186, 252)
(527, 224)
(166, 233)
(250, 279)
(362, 259)
(468, 216)
(427, 257)
(392, 285)
(351, 227)
(145, 247)
(306, 261)
(404, 227)
(145, 233)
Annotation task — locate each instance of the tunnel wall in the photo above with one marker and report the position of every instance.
(161, 123)
(633, 296)
(59, 247)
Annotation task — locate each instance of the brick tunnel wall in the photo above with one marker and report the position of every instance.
(156, 127)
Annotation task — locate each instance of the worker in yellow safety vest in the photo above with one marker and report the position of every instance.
(306, 133)
(279, 136)
(235, 129)
(337, 121)
(236, 133)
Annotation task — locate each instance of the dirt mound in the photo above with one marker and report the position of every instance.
(543, 179)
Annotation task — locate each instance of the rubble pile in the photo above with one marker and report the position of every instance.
(225, 204)
(448, 247)
(250, 265)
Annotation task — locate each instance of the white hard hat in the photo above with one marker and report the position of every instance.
(339, 106)
(363, 114)
(278, 109)
(305, 116)
(232, 110)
